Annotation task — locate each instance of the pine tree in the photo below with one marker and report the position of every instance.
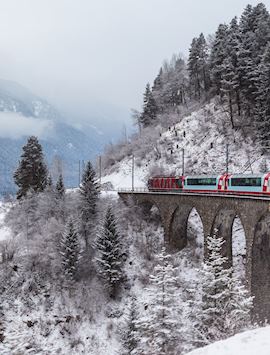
(130, 334)
(262, 111)
(255, 34)
(193, 68)
(49, 183)
(159, 328)
(217, 56)
(60, 187)
(241, 307)
(110, 256)
(225, 304)
(230, 80)
(215, 290)
(89, 192)
(32, 171)
(70, 251)
(198, 66)
(59, 197)
(149, 113)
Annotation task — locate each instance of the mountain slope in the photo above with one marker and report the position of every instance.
(22, 114)
(203, 135)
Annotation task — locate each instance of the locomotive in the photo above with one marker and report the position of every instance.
(255, 184)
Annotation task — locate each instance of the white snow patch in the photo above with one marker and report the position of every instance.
(5, 232)
(248, 343)
(123, 177)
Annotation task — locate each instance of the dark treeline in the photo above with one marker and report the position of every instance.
(233, 65)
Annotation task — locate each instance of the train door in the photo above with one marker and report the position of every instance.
(179, 182)
(266, 183)
(223, 182)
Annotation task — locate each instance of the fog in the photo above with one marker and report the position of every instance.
(93, 57)
(13, 125)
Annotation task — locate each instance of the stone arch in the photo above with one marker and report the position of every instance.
(260, 272)
(145, 206)
(178, 226)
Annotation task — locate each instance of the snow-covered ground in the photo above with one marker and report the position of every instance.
(253, 342)
(4, 230)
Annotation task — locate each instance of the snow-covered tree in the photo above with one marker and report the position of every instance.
(225, 304)
(130, 334)
(110, 254)
(159, 327)
(49, 182)
(89, 192)
(198, 67)
(218, 55)
(70, 251)
(31, 173)
(241, 307)
(262, 110)
(60, 187)
(149, 113)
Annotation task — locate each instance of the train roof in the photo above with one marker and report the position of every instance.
(164, 176)
(248, 175)
(202, 176)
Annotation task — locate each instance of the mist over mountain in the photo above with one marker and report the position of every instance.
(22, 113)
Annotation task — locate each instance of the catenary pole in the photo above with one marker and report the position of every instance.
(100, 169)
(183, 162)
(132, 173)
(79, 172)
(227, 158)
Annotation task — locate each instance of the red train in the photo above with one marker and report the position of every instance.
(255, 184)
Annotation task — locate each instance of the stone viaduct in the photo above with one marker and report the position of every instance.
(219, 211)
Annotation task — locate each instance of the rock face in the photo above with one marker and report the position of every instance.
(22, 114)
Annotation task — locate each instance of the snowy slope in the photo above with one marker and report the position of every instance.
(203, 135)
(253, 342)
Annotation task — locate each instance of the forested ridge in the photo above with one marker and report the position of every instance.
(232, 65)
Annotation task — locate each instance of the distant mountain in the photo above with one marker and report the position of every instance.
(22, 114)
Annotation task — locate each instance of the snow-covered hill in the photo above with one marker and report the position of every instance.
(203, 135)
(252, 342)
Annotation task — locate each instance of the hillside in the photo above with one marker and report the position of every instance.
(203, 135)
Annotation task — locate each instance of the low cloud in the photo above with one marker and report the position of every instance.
(14, 125)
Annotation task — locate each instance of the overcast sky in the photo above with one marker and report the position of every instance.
(80, 53)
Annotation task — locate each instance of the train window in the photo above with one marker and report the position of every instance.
(202, 181)
(246, 181)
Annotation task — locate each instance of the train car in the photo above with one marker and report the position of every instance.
(165, 183)
(204, 183)
(254, 184)
(249, 184)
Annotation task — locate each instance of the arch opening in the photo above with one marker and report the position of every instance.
(149, 228)
(222, 227)
(195, 234)
(239, 248)
(185, 227)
